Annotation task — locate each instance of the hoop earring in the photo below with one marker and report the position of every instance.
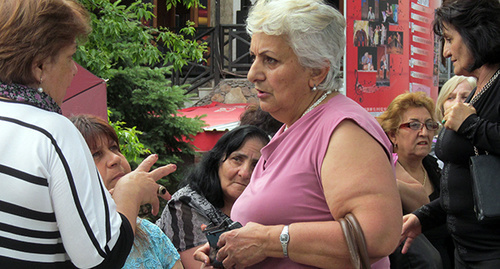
(40, 89)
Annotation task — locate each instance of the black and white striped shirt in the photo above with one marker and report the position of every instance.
(54, 209)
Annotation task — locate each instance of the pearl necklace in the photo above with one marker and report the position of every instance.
(317, 102)
(313, 105)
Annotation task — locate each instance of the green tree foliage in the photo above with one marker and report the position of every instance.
(130, 146)
(137, 60)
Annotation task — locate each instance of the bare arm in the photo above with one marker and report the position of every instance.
(412, 193)
(357, 177)
(187, 259)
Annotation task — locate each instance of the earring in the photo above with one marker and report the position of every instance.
(314, 88)
(40, 89)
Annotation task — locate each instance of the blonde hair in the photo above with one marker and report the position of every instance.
(447, 89)
(391, 119)
(312, 28)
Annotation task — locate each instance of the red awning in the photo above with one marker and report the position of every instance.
(86, 95)
(220, 118)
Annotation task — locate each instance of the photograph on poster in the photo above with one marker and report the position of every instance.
(367, 59)
(383, 76)
(395, 42)
(369, 10)
(389, 11)
(377, 33)
(361, 30)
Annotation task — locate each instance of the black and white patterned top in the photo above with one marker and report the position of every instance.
(183, 216)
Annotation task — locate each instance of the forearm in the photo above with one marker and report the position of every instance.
(319, 244)
(128, 208)
(413, 196)
(322, 244)
(431, 215)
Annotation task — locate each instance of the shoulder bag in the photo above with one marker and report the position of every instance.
(485, 173)
(355, 241)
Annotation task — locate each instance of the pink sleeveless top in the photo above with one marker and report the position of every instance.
(286, 186)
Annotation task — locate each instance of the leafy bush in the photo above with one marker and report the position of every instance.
(137, 61)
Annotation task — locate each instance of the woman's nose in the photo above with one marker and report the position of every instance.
(246, 171)
(255, 73)
(114, 159)
(446, 50)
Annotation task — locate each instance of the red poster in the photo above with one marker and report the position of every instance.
(390, 50)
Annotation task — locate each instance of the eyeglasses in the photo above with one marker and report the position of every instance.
(417, 125)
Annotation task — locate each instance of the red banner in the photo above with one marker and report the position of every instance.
(390, 50)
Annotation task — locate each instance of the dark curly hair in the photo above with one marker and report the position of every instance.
(478, 24)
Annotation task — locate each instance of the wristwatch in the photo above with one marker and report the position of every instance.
(284, 239)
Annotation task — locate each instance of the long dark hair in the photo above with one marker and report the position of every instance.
(478, 24)
(204, 178)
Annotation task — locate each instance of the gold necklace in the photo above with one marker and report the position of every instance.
(425, 175)
(423, 170)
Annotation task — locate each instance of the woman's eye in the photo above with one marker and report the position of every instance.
(96, 154)
(237, 160)
(271, 60)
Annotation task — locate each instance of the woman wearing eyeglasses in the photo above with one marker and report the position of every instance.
(410, 125)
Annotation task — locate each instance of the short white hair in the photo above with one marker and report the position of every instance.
(312, 28)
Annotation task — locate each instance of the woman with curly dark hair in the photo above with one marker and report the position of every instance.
(471, 33)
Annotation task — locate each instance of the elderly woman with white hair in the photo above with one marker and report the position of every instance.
(329, 158)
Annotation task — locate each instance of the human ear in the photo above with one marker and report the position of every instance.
(318, 75)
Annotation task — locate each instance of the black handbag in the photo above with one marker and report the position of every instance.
(485, 173)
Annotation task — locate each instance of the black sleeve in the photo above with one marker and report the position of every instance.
(482, 133)
(118, 255)
(431, 215)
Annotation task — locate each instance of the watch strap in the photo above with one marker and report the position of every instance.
(284, 239)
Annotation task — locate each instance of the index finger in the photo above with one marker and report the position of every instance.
(407, 245)
(147, 163)
(163, 171)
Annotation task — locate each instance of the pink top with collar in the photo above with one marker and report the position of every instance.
(286, 185)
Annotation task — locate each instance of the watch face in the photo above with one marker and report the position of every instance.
(284, 237)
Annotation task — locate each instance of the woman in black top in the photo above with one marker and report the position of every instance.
(471, 32)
